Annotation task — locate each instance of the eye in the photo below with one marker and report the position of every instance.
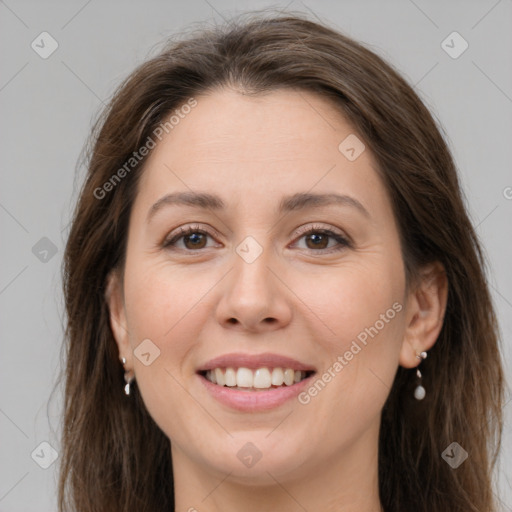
(193, 238)
(318, 239)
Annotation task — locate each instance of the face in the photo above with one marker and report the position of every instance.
(262, 276)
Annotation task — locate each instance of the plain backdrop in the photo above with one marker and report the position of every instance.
(48, 105)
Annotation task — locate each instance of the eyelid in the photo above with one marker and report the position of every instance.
(304, 230)
(342, 239)
(181, 231)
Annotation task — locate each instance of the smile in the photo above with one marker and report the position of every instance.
(254, 382)
(245, 379)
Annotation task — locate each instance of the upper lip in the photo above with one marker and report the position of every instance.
(255, 361)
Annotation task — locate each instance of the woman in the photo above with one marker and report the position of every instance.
(275, 297)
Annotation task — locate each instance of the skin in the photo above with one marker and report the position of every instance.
(295, 299)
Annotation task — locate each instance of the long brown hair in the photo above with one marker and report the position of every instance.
(114, 457)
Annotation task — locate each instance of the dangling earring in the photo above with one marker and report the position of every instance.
(128, 378)
(419, 392)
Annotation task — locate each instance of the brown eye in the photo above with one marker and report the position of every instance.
(190, 238)
(316, 240)
(319, 239)
(197, 240)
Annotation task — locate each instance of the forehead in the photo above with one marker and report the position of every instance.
(248, 147)
(274, 125)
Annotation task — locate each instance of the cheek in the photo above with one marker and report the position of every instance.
(161, 300)
(166, 309)
(349, 300)
(360, 325)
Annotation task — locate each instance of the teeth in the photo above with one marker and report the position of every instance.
(262, 378)
(219, 377)
(289, 376)
(277, 377)
(230, 377)
(244, 377)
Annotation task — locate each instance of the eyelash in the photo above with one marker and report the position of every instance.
(342, 241)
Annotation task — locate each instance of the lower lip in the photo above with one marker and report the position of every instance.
(254, 401)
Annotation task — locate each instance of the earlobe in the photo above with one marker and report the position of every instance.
(425, 312)
(117, 314)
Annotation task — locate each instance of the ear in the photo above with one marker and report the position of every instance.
(115, 301)
(426, 306)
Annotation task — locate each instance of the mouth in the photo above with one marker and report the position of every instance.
(260, 379)
(254, 383)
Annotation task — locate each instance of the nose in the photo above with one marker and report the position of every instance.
(253, 298)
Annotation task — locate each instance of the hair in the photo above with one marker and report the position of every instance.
(113, 455)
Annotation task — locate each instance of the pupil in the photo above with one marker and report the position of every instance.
(195, 238)
(317, 239)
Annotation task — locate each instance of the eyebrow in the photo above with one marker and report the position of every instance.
(290, 203)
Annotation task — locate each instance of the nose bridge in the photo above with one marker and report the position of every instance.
(252, 294)
(251, 279)
(253, 254)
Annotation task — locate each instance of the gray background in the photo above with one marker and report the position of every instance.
(47, 108)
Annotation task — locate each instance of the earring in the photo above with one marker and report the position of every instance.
(419, 392)
(127, 378)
